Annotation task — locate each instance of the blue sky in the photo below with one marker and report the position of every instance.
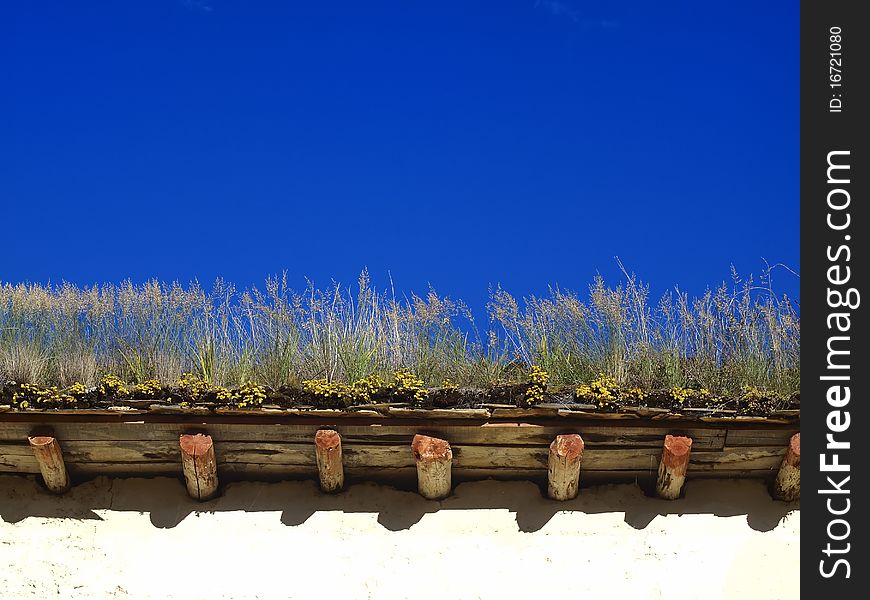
(460, 144)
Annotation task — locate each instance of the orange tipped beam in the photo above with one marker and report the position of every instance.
(563, 467)
(673, 467)
(434, 462)
(199, 465)
(787, 485)
(330, 468)
(48, 454)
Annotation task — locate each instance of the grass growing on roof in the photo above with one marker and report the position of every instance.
(345, 343)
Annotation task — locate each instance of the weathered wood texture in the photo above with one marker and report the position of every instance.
(434, 460)
(673, 467)
(755, 437)
(49, 458)
(619, 450)
(330, 468)
(563, 468)
(507, 434)
(199, 465)
(18, 458)
(787, 485)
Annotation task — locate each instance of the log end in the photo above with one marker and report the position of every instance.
(676, 451)
(195, 444)
(430, 448)
(327, 439)
(793, 454)
(40, 440)
(569, 446)
(49, 455)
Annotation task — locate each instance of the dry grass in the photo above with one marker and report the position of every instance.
(731, 337)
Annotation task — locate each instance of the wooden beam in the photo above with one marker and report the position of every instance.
(19, 458)
(563, 469)
(199, 465)
(673, 466)
(48, 454)
(514, 434)
(434, 460)
(787, 485)
(327, 443)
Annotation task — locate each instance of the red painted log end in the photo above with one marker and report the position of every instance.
(40, 440)
(793, 454)
(430, 448)
(676, 451)
(327, 439)
(195, 444)
(569, 446)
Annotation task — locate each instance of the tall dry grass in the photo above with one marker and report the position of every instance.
(731, 337)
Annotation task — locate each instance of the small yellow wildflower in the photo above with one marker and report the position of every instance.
(44, 397)
(149, 389)
(682, 394)
(112, 386)
(222, 395)
(604, 390)
(361, 391)
(538, 378)
(635, 393)
(76, 389)
(193, 386)
(406, 383)
(250, 395)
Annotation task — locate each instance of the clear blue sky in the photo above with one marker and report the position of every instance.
(453, 143)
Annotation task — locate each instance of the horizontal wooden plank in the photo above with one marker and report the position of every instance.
(129, 469)
(18, 456)
(387, 474)
(488, 434)
(18, 463)
(230, 471)
(121, 451)
(17, 448)
(646, 476)
(107, 451)
(522, 413)
(759, 437)
(256, 471)
(355, 455)
(744, 458)
(649, 437)
(516, 463)
(439, 413)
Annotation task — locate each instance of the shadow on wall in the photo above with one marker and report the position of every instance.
(166, 500)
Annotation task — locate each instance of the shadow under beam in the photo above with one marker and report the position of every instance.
(166, 501)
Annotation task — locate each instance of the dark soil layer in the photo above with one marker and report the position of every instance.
(756, 405)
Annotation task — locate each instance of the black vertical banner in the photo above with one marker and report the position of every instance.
(835, 432)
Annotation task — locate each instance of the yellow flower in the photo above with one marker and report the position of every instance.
(149, 388)
(538, 378)
(76, 389)
(681, 394)
(250, 395)
(604, 390)
(193, 386)
(406, 383)
(635, 393)
(112, 386)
